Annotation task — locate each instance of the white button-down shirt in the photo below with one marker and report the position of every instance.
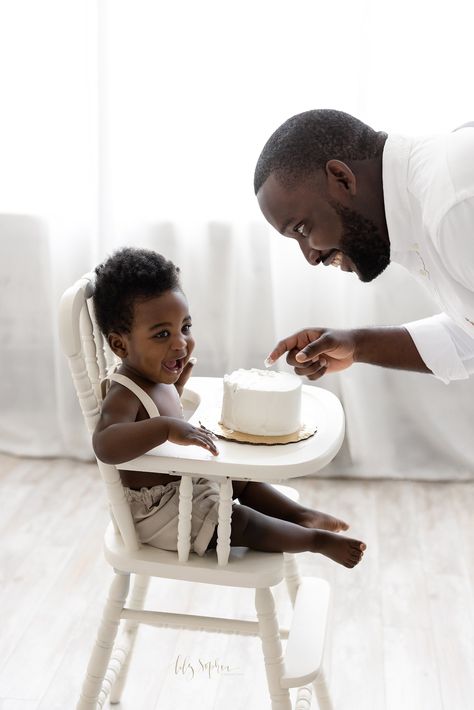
(428, 188)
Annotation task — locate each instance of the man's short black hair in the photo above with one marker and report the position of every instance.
(305, 142)
(127, 276)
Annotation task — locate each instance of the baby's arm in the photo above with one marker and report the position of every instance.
(118, 437)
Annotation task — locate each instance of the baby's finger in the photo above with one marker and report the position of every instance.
(207, 443)
(208, 431)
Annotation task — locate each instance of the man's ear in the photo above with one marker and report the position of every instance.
(117, 344)
(341, 180)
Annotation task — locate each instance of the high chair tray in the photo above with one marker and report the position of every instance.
(248, 461)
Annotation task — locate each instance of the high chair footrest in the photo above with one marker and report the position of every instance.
(246, 568)
(305, 646)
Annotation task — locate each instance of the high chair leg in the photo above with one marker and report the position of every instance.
(272, 650)
(303, 698)
(100, 675)
(292, 575)
(126, 642)
(322, 691)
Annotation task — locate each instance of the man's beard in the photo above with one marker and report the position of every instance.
(363, 243)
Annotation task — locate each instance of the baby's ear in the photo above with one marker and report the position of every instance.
(117, 344)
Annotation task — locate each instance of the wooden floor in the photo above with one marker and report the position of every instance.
(401, 632)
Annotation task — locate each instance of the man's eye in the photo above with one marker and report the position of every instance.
(300, 229)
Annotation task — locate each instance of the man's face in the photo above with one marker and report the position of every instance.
(327, 231)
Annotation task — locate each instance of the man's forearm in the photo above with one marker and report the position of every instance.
(388, 347)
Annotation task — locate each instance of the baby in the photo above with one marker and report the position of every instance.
(144, 315)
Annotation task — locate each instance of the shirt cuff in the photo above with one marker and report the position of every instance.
(435, 340)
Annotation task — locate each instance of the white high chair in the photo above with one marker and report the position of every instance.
(300, 665)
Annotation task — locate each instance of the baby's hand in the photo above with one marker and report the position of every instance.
(185, 375)
(185, 434)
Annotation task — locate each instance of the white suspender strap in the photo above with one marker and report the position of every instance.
(144, 398)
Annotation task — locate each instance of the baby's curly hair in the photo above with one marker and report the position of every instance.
(127, 276)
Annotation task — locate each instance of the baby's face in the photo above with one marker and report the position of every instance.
(160, 342)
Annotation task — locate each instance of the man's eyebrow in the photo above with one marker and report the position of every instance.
(286, 225)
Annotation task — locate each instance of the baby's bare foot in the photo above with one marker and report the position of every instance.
(344, 550)
(323, 521)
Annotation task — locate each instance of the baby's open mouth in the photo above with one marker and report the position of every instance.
(174, 366)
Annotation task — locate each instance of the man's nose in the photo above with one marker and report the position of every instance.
(312, 256)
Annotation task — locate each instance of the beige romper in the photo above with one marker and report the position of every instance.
(155, 510)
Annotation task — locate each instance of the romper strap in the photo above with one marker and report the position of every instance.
(144, 398)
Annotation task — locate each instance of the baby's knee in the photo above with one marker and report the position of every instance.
(240, 514)
(240, 518)
(238, 488)
(239, 521)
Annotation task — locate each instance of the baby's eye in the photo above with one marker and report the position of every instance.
(187, 327)
(162, 334)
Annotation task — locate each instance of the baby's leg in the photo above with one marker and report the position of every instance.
(268, 500)
(253, 529)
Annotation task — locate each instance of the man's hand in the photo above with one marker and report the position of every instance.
(185, 434)
(185, 375)
(313, 352)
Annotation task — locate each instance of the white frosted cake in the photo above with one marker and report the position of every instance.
(261, 402)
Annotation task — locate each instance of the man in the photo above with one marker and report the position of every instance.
(358, 199)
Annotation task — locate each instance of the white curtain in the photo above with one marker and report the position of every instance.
(139, 122)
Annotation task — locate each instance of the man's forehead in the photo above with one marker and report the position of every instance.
(276, 199)
(272, 201)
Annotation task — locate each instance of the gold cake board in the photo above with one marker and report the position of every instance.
(213, 424)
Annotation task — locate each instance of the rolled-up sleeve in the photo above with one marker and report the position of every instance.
(444, 346)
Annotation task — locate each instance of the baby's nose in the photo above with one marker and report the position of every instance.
(179, 343)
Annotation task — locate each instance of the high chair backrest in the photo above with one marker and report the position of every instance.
(90, 359)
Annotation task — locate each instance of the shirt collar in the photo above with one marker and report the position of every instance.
(395, 160)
